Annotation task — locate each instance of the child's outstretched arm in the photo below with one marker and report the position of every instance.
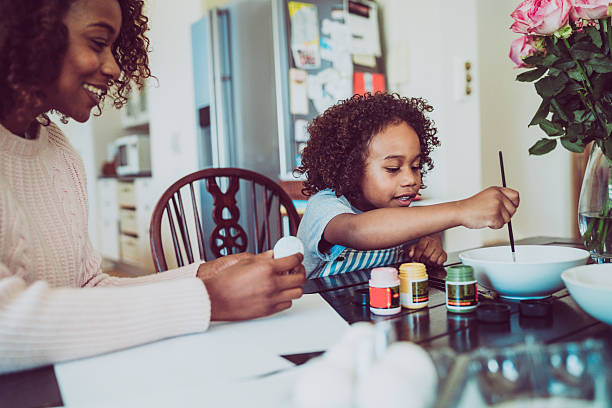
(388, 227)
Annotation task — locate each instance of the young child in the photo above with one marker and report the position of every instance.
(364, 164)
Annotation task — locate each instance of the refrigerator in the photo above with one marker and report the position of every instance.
(264, 68)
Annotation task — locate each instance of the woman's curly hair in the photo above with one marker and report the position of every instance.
(34, 40)
(335, 155)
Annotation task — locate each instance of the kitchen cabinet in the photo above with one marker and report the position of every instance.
(134, 211)
(123, 222)
(108, 219)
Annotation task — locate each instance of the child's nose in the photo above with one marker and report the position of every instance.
(410, 179)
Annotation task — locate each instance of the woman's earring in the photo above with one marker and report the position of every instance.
(64, 119)
(43, 119)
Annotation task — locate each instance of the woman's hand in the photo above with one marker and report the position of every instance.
(252, 286)
(210, 269)
(428, 250)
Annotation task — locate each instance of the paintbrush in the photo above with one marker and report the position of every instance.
(503, 175)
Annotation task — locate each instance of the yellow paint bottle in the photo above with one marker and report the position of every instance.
(414, 285)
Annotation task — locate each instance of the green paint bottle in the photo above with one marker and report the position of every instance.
(461, 289)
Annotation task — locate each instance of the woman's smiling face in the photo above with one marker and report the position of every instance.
(89, 64)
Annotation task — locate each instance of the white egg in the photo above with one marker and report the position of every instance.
(287, 246)
(355, 350)
(407, 372)
(322, 384)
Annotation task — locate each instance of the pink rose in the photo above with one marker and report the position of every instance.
(589, 9)
(540, 17)
(522, 48)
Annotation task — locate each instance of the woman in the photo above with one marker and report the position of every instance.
(55, 304)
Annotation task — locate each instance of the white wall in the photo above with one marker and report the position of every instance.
(426, 44)
(171, 102)
(423, 40)
(507, 106)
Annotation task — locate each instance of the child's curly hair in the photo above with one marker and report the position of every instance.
(334, 157)
(34, 40)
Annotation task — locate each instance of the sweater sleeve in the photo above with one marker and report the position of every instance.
(43, 325)
(55, 304)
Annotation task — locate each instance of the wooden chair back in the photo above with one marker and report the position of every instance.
(220, 211)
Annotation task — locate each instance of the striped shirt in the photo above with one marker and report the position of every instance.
(321, 209)
(352, 260)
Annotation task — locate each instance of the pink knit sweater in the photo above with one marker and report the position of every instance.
(55, 304)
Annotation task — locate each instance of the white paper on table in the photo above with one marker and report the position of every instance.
(311, 324)
(194, 369)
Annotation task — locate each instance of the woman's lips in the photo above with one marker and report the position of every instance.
(95, 93)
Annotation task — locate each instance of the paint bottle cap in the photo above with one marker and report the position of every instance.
(287, 246)
(493, 313)
(535, 307)
(385, 276)
(459, 273)
(413, 270)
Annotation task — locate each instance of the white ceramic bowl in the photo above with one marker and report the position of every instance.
(536, 273)
(591, 288)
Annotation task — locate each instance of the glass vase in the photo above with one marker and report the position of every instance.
(595, 207)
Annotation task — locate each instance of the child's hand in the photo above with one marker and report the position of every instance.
(428, 250)
(491, 208)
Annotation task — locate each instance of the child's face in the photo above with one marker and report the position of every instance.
(392, 175)
(93, 26)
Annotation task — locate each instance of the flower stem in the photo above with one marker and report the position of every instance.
(584, 75)
(593, 107)
(609, 36)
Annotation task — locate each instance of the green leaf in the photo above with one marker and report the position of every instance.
(573, 88)
(543, 146)
(557, 108)
(609, 129)
(565, 65)
(600, 64)
(551, 128)
(576, 146)
(542, 60)
(532, 75)
(607, 148)
(584, 51)
(576, 75)
(541, 113)
(551, 86)
(581, 116)
(574, 131)
(599, 82)
(595, 36)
